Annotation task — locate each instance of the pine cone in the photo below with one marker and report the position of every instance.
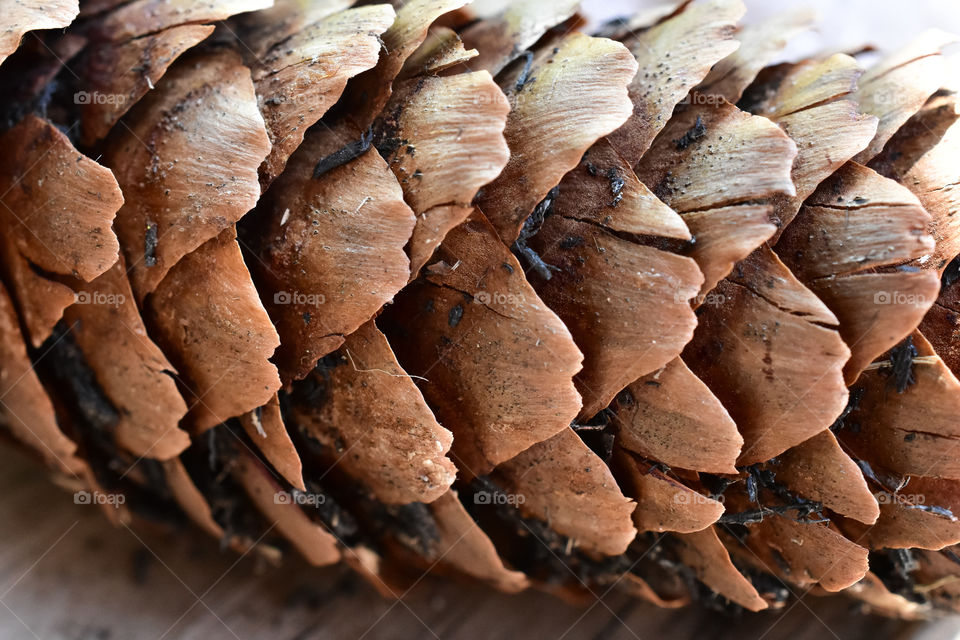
(435, 287)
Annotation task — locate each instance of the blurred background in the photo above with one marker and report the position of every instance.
(67, 574)
(844, 25)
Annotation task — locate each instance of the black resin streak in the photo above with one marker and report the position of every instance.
(350, 152)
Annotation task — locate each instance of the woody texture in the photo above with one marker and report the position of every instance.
(477, 290)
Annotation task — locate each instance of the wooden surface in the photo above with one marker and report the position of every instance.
(66, 574)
